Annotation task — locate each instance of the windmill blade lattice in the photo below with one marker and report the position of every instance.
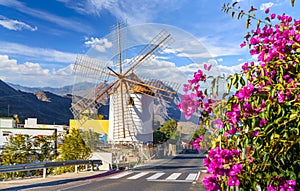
(159, 43)
(88, 67)
(118, 37)
(86, 107)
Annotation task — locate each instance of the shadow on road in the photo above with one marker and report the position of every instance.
(189, 157)
(59, 182)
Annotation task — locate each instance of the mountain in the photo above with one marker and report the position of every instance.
(59, 91)
(47, 107)
(51, 105)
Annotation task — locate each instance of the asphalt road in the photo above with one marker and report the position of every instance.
(177, 174)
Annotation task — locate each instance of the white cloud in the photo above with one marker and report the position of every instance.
(229, 70)
(161, 70)
(63, 22)
(99, 44)
(33, 74)
(240, 59)
(15, 24)
(264, 6)
(27, 68)
(220, 60)
(137, 11)
(218, 47)
(49, 55)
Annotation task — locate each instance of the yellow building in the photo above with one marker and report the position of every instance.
(96, 125)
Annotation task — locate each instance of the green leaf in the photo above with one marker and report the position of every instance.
(292, 3)
(253, 123)
(293, 116)
(247, 23)
(233, 4)
(205, 92)
(239, 16)
(267, 19)
(242, 81)
(232, 14)
(278, 109)
(258, 23)
(236, 80)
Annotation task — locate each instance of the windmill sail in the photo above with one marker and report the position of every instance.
(128, 93)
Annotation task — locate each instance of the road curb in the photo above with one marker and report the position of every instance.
(17, 184)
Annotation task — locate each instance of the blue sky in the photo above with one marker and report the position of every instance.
(40, 40)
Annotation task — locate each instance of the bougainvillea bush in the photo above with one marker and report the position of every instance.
(258, 147)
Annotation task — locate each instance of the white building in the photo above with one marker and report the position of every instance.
(136, 125)
(30, 128)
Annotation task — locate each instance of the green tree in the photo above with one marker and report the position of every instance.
(91, 138)
(45, 147)
(169, 128)
(159, 137)
(18, 151)
(74, 147)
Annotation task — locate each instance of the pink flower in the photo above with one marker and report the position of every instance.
(233, 181)
(207, 67)
(232, 131)
(207, 107)
(243, 44)
(267, 10)
(187, 87)
(255, 134)
(235, 169)
(271, 188)
(219, 123)
(254, 41)
(211, 183)
(245, 92)
(273, 15)
(198, 76)
(245, 67)
(188, 105)
(262, 122)
(280, 97)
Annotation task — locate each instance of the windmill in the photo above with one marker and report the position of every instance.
(130, 96)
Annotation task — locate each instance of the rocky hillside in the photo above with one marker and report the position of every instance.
(59, 91)
(49, 108)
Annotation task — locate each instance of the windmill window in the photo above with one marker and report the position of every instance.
(131, 101)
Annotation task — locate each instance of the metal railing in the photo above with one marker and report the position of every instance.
(45, 165)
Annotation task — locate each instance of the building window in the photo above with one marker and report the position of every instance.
(131, 101)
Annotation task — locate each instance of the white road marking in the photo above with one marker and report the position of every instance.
(191, 176)
(139, 175)
(155, 176)
(75, 186)
(121, 175)
(173, 176)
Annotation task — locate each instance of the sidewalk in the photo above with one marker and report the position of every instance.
(23, 183)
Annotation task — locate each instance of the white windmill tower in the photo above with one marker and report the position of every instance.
(130, 96)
